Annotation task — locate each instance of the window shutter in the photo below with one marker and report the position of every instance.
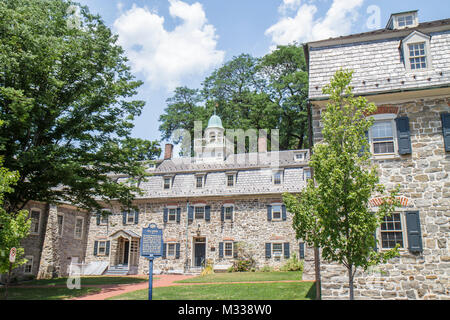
(177, 252)
(445, 117)
(98, 218)
(207, 213)
(178, 215)
(403, 135)
(301, 253)
(136, 216)
(164, 250)
(95, 247)
(413, 230)
(222, 214)
(232, 213)
(124, 217)
(107, 248)
(191, 213)
(269, 212)
(220, 250)
(268, 250)
(235, 252)
(165, 214)
(283, 212)
(286, 250)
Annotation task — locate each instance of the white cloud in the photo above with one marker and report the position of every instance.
(166, 57)
(303, 26)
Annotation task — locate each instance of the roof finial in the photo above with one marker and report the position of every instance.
(215, 108)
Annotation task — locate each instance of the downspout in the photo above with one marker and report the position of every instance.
(186, 263)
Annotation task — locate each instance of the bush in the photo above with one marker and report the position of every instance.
(208, 269)
(243, 265)
(266, 269)
(293, 264)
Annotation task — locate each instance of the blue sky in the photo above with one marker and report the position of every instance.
(174, 43)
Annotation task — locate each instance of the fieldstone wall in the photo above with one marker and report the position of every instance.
(249, 226)
(424, 180)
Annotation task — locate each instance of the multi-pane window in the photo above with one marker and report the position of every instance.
(230, 180)
(170, 249)
(277, 249)
(78, 228)
(104, 217)
(391, 231)
(228, 249)
(382, 137)
(417, 56)
(276, 212)
(101, 248)
(199, 212)
(28, 266)
(405, 21)
(306, 174)
(167, 183)
(300, 156)
(277, 178)
(172, 215)
(60, 224)
(199, 181)
(130, 217)
(35, 221)
(228, 213)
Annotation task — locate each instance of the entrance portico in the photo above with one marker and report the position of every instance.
(125, 251)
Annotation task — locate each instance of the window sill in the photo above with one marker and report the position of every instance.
(386, 157)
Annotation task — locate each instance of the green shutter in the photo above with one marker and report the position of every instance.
(403, 135)
(207, 213)
(286, 250)
(191, 213)
(269, 212)
(413, 231)
(268, 250)
(445, 117)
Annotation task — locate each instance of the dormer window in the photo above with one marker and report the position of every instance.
(416, 52)
(405, 21)
(417, 56)
(167, 182)
(299, 156)
(199, 181)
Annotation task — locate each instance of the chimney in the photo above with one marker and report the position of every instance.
(262, 142)
(168, 151)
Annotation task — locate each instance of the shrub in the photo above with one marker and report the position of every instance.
(208, 269)
(266, 268)
(293, 264)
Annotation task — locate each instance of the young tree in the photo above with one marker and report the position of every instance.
(333, 211)
(12, 228)
(66, 97)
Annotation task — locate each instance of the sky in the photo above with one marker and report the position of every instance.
(173, 43)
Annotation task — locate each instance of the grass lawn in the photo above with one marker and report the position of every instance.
(47, 292)
(85, 281)
(241, 291)
(245, 276)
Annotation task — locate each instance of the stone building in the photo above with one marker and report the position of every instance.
(405, 70)
(207, 205)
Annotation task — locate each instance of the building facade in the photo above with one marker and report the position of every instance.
(405, 70)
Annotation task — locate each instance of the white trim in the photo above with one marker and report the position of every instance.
(75, 228)
(234, 175)
(107, 217)
(29, 258)
(32, 232)
(417, 38)
(390, 117)
(225, 206)
(168, 214)
(171, 178)
(404, 234)
(281, 211)
(98, 248)
(225, 256)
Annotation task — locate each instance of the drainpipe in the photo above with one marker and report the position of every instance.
(186, 263)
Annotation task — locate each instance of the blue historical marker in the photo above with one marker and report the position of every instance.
(151, 247)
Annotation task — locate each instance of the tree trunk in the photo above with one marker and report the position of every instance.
(317, 270)
(350, 282)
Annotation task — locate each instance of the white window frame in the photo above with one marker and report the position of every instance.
(281, 211)
(274, 173)
(273, 249)
(305, 171)
(174, 208)
(101, 245)
(299, 159)
(204, 211)
(38, 222)
(225, 255)
(233, 175)
(389, 117)
(29, 258)
(202, 176)
(169, 245)
(75, 228)
(131, 216)
(170, 182)
(102, 222)
(417, 38)
(403, 230)
(60, 231)
(225, 206)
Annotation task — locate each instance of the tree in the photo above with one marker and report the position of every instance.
(12, 228)
(333, 211)
(66, 100)
(248, 93)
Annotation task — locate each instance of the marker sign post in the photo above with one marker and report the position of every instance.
(151, 247)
